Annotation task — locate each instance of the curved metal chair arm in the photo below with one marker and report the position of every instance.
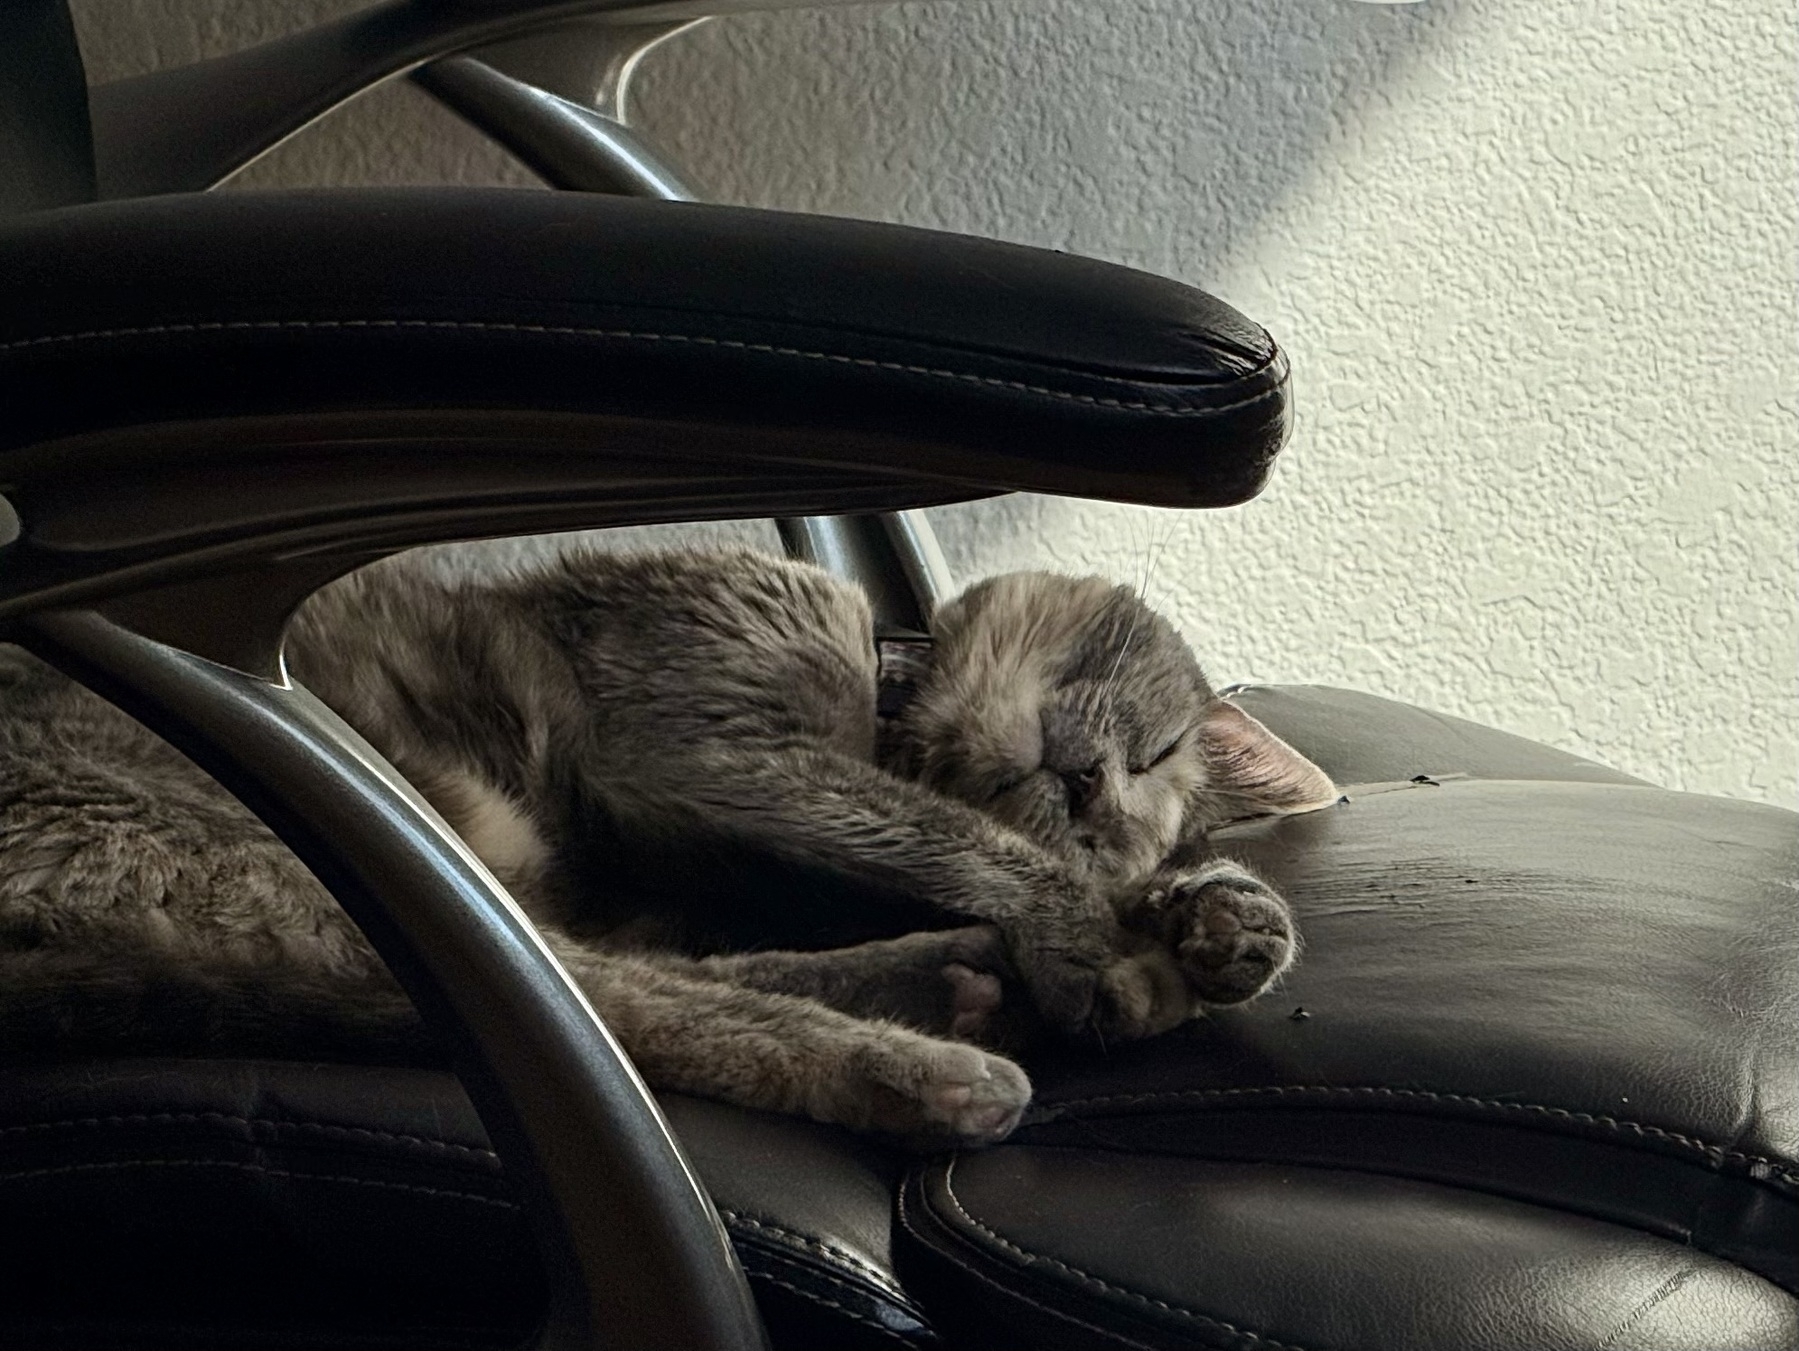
(614, 1205)
(188, 128)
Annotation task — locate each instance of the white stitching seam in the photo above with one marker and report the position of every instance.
(1111, 1335)
(869, 1273)
(573, 330)
(117, 1164)
(1090, 1279)
(1781, 1168)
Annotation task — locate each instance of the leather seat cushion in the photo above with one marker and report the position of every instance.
(1573, 993)
(1082, 1248)
(1360, 738)
(1542, 1096)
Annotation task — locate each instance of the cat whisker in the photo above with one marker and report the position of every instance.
(1152, 557)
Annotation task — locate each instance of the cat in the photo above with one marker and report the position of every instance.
(675, 762)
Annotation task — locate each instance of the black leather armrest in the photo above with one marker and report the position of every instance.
(190, 376)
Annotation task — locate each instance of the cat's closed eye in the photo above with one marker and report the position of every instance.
(1162, 755)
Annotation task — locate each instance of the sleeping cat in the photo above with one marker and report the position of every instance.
(675, 762)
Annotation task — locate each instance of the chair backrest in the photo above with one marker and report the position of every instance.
(46, 145)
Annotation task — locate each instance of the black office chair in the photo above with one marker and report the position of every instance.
(1533, 1085)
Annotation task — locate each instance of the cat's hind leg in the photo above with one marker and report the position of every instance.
(789, 1053)
(950, 982)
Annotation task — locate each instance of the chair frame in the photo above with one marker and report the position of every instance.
(634, 1251)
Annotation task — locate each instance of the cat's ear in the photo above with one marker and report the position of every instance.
(1252, 772)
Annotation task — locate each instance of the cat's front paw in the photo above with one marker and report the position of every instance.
(935, 1094)
(1232, 933)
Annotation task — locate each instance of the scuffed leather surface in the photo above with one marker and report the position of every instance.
(1582, 994)
(967, 361)
(1066, 1248)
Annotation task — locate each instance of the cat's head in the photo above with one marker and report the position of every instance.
(1068, 709)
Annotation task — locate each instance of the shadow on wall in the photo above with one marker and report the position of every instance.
(122, 38)
(1140, 115)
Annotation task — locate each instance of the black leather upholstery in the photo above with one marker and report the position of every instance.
(46, 154)
(247, 1203)
(1540, 1058)
(815, 341)
(1029, 1247)
(219, 1203)
(1533, 1085)
(1362, 738)
(1543, 1097)
(1540, 990)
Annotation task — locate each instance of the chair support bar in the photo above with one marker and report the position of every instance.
(563, 143)
(894, 557)
(189, 128)
(635, 1252)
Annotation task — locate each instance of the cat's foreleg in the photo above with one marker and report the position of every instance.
(787, 1053)
(888, 837)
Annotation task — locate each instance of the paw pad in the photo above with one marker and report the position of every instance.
(975, 996)
(1239, 936)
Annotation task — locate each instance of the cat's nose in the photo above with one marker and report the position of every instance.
(1082, 786)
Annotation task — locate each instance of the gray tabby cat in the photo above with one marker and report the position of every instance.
(673, 762)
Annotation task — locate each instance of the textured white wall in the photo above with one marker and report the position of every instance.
(1535, 265)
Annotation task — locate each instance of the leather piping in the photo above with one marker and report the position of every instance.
(854, 1315)
(1087, 1277)
(1782, 1170)
(1110, 1334)
(633, 335)
(789, 1238)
